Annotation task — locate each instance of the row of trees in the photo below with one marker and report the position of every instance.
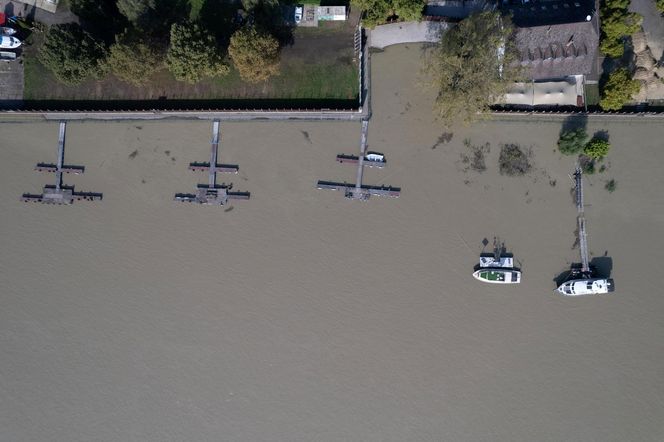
(152, 39)
(617, 25)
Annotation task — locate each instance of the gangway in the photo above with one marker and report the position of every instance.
(213, 193)
(358, 190)
(60, 193)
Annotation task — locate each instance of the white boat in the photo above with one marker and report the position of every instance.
(586, 286)
(7, 31)
(497, 269)
(7, 56)
(7, 42)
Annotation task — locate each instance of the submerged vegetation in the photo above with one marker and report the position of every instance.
(513, 161)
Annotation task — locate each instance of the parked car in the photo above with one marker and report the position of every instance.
(299, 10)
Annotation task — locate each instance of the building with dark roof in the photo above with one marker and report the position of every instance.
(558, 51)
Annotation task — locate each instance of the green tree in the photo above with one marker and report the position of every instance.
(72, 54)
(618, 90)
(133, 60)
(409, 10)
(378, 11)
(135, 10)
(659, 4)
(472, 67)
(572, 142)
(617, 24)
(193, 54)
(254, 54)
(597, 148)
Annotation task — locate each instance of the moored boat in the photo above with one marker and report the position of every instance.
(497, 269)
(586, 286)
(7, 42)
(498, 276)
(7, 31)
(7, 56)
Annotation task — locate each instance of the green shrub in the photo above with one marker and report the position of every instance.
(572, 142)
(134, 61)
(610, 185)
(597, 148)
(254, 54)
(193, 54)
(618, 90)
(72, 54)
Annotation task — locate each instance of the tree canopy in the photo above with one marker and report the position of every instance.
(618, 90)
(133, 60)
(617, 24)
(472, 67)
(193, 54)
(572, 142)
(597, 148)
(72, 54)
(378, 11)
(254, 54)
(135, 10)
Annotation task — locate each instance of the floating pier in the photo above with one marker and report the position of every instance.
(60, 193)
(358, 190)
(213, 193)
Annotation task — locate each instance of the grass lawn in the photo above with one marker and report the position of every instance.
(319, 65)
(592, 94)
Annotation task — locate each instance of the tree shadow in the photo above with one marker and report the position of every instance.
(101, 18)
(221, 18)
(158, 21)
(574, 122)
(601, 135)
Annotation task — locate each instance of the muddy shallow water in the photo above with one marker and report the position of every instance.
(301, 316)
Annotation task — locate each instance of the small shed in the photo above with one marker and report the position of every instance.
(331, 13)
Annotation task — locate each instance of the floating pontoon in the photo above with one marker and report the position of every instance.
(213, 193)
(59, 193)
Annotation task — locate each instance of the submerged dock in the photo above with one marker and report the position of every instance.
(212, 193)
(60, 193)
(359, 191)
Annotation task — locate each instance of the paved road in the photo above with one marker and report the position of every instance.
(653, 25)
(406, 32)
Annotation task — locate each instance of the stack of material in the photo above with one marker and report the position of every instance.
(647, 71)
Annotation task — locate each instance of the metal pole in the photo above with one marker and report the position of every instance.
(61, 155)
(213, 154)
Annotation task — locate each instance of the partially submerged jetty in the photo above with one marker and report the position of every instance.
(583, 281)
(359, 191)
(60, 193)
(212, 193)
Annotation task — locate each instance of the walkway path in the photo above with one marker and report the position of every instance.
(406, 32)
